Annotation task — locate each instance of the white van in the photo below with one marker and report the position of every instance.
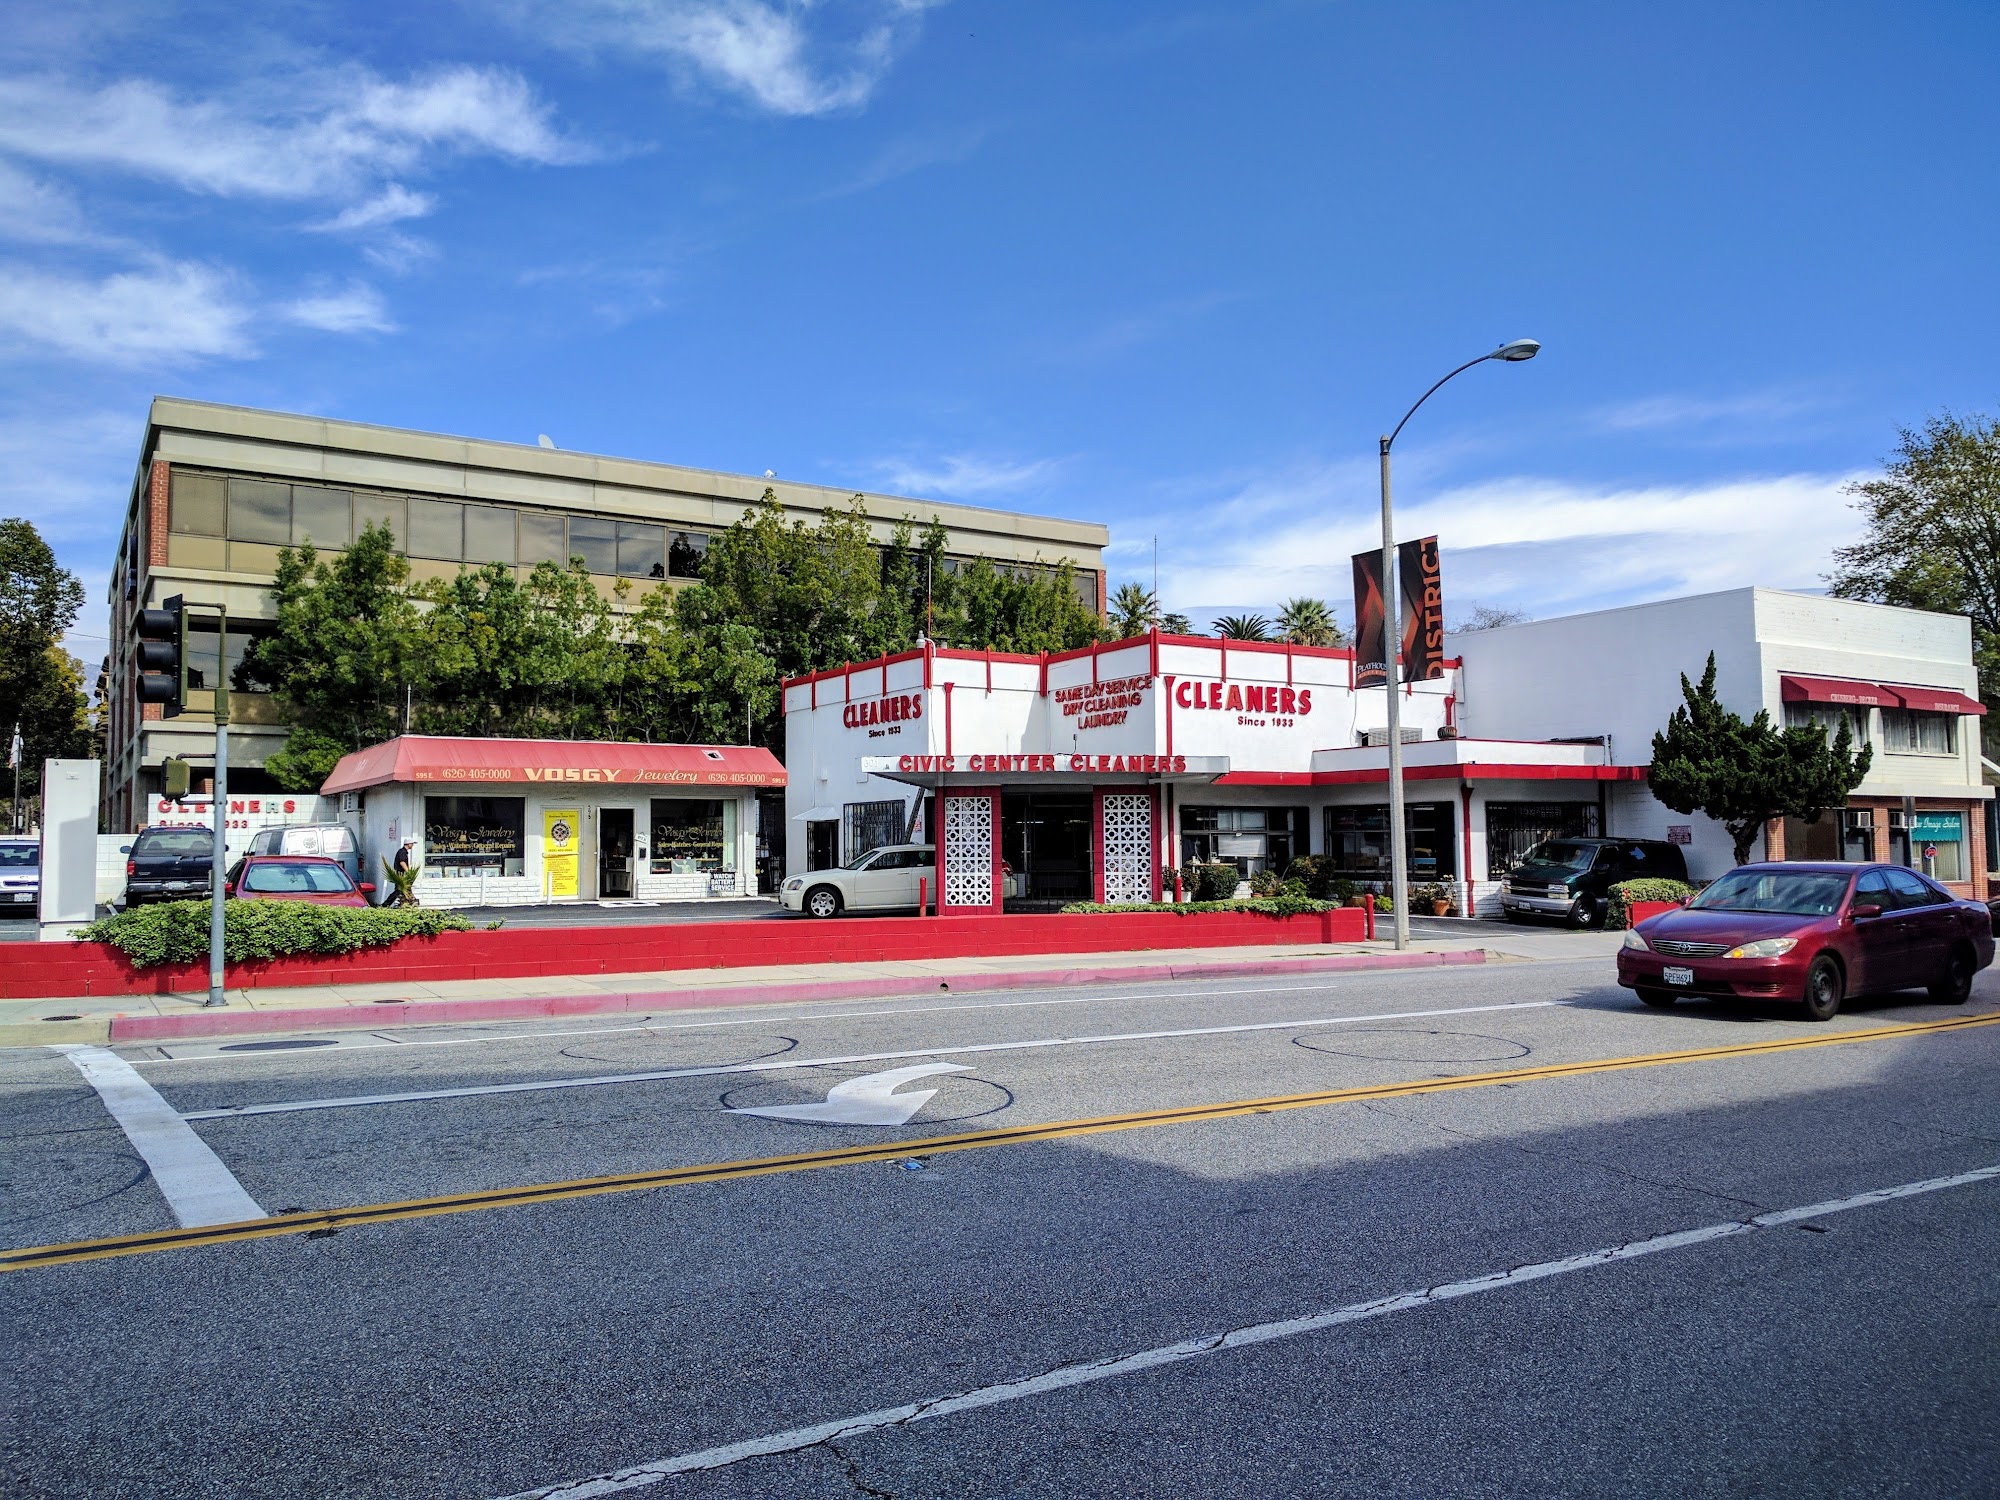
(331, 840)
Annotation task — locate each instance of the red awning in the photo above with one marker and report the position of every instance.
(562, 763)
(1933, 700)
(1835, 690)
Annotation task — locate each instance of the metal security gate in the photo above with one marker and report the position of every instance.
(1513, 828)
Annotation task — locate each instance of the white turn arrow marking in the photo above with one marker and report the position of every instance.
(869, 1100)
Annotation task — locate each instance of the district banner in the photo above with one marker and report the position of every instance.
(1422, 609)
(560, 845)
(1371, 652)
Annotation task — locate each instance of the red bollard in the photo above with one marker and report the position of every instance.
(1368, 916)
(922, 891)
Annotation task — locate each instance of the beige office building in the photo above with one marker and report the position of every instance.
(219, 489)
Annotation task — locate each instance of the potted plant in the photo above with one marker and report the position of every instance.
(405, 883)
(1343, 892)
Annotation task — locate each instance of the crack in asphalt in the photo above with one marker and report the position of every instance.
(852, 1467)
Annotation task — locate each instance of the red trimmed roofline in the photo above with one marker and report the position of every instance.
(1470, 771)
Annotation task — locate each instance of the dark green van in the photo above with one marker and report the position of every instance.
(1572, 878)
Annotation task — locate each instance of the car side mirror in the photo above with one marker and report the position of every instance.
(1864, 909)
(367, 887)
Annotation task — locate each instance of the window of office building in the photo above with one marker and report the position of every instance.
(595, 541)
(693, 835)
(322, 517)
(260, 512)
(1251, 838)
(1357, 841)
(198, 505)
(437, 530)
(489, 535)
(642, 550)
(870, 825)
(544, 538)
(467, 835)
(1909, 731)
(685, 551)
(383, 510)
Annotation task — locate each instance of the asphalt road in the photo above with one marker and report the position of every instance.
(1291, 1277)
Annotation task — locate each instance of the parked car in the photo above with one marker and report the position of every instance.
(333, 840)
(1572, 878)
(20, 875)
(294, 877)
(1813, 933)
(169, 864)
(885, 879)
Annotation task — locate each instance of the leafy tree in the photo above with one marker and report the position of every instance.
(41, 685)
(1024, 609)
(1309, 622)
(1742, 773)
(1243, 628)
(348, 644)
(1176, 624)
(1134, 611)
(1488, 617)
(1933, 539)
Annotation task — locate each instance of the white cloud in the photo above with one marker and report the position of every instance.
(37, 212)
(1541, 544)
(1668, 413)
(911, 154)
(169, 312)
(325, 135)
(392, 205)
(962, 475)
(762, 50)
(355, 308)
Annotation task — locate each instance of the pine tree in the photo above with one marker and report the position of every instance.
(1744, 772)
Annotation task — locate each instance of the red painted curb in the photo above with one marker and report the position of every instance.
(234, 1022)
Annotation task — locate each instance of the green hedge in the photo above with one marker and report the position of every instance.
(1619, 913)
(1272, 906)
(176, 932)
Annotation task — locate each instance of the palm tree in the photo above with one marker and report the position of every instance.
(1134, 611)
(1308, 622)
(1243, 628)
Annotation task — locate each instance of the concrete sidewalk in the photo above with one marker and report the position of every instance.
(136, 1018)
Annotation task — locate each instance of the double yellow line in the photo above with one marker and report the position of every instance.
(976, 1140)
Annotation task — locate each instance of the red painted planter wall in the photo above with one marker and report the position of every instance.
(35, 969)
(1641, 910)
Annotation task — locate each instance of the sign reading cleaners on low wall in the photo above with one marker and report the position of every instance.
(1420, 612)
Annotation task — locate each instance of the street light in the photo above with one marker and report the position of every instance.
(1512, 352)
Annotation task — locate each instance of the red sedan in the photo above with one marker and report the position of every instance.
(295, 877)
(1814, 933)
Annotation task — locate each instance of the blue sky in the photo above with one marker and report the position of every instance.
(1172, 266)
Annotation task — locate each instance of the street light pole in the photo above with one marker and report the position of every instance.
(1512, 352)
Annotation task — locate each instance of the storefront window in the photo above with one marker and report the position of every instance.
(693, 836)
(468, 835)
(1513, 828)
(1357, 841)
(870, 825)
(1839, 834)
(1253, 839)
(1934, 842)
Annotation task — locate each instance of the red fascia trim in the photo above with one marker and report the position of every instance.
(1476, 771)
(953, 653)
(1128, 643)
(1330, 653)
(947, 717)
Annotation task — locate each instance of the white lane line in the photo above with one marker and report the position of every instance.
(766, 1018)
(1092, 1371)
(197, 1186)
(349, 1101)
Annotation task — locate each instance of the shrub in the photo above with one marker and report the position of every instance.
(1316, 871)
(1619, 912)
(1280, 905)
(1266, 882)
(1216, 882)
(176, 932)
(1341, 890)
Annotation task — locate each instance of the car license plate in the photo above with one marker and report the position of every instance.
(20, 896)
(1674, 974)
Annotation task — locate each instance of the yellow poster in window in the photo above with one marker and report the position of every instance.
(561, 835)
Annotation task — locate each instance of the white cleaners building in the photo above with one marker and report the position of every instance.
(1090, 774)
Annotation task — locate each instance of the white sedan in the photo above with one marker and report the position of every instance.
(885, 879)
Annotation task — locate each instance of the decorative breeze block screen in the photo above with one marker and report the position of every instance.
(1128, 848)
(968, 851)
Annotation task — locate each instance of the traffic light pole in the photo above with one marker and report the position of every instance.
(220, 871)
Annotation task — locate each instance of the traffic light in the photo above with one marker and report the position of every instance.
(159, 659)
(177, 778)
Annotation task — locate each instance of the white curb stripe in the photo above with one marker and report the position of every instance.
(1259, 1333)
(197, 1186)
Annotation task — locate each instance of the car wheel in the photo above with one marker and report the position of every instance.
(822, 901)
(1583, 914)
(1663, 999)
(1955, 988)
(1825, 988)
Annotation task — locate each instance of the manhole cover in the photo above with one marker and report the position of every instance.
(284, 1046)
(1399, 1045)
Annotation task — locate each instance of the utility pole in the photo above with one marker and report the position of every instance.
(20, 824)
(221, 868)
